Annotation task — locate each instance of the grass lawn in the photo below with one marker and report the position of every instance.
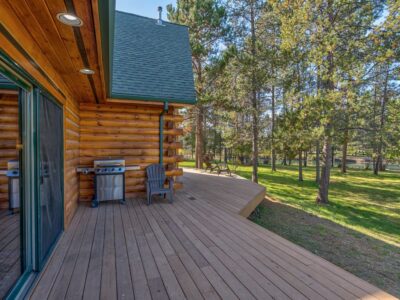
(359, 230)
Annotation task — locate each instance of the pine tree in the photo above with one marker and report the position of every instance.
(207, 26)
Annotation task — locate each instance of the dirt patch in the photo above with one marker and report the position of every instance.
(370, 259)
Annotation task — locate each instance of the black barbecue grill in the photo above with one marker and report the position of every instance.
(109, 179)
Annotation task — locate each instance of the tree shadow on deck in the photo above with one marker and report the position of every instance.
(371, 259)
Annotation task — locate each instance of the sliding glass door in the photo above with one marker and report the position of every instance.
(31, 178)
(12, 212)
(50, 117)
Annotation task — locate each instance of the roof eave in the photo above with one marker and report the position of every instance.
(127, 98)
(107, 23)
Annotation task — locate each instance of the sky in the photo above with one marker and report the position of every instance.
(147, 8)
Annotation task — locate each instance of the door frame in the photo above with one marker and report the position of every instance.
(38, 95)
(26, 188)
(29, 181)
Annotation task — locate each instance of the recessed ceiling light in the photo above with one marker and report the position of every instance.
(69, 19)
(86, 71)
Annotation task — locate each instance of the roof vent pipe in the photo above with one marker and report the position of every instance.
(159, 21)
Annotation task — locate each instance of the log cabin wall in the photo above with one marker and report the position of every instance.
(9, 136)
(129, 131)
(71, 160)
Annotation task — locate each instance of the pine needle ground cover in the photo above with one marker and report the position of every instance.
(359, 230)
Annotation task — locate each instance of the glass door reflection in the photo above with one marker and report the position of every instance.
(11, 258)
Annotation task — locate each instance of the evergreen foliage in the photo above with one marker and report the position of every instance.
(281, 80)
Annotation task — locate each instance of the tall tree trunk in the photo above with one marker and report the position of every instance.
(323, 190)
(317, 144)
(284, 162)
(344, 150)
(346, 113)
(199, 137)
(206, 145)
(305, 159)
(300, 165)
(273, 153)
(327, 156)
(220, 147)
(225, 155)
(379, 159)
(215, 140)
(317, 163)
(254, 176)
(254, 99)
(382, 166)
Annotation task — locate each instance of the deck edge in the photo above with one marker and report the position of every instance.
(251, 206)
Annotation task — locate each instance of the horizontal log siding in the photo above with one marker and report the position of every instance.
(71, 160)
(8, 140)
(128, 131)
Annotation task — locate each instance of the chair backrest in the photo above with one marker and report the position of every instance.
(208, 164)
(156, 175)
(207, 160)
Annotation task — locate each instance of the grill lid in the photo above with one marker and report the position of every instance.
(102, 163)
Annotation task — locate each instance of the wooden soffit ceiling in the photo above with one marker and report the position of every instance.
(67, 49)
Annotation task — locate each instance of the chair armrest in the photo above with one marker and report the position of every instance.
(151, 180)
(170, 182)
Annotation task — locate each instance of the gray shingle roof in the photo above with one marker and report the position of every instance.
(151, 62)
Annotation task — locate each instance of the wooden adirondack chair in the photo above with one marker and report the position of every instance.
(223, 167)
(209, 165)
(155, 183)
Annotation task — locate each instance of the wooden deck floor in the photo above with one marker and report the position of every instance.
(10, 264)
(199, 247)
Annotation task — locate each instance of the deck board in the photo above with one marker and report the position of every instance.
(108, 287)
(124, 280)
(199, 247)
(64, 276)
(93, 275)
(139, 281)
(10, 259)
(156, 286)
(77, 283)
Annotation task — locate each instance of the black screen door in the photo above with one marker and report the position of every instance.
(50, 174)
